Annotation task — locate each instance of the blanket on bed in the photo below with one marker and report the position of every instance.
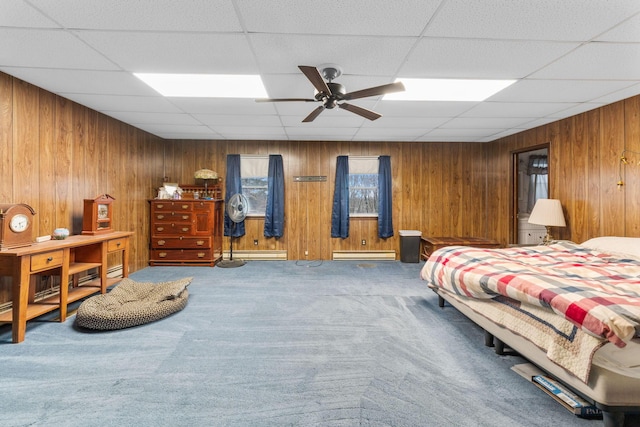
(598, 292)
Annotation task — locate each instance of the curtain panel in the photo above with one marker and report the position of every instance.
(274, 215)
(233, 185)
(385, 197)
(340, 210)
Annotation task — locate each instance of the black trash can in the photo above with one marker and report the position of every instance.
(410, 245)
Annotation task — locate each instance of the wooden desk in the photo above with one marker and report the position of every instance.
(67, 258)
(430, 244)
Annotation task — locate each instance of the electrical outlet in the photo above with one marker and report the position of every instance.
(306, 253)
(364, 242)
(255, 242)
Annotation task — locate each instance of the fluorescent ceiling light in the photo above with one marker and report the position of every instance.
(205, 85)
(447, 89)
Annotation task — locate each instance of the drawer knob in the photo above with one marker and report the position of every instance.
(200, 242)
(162, 254)
(185, 228)
(185, 206)
(160, 228)
(50, 259)
(118, 244)
(160, 217)
(185, 216)
(200, 254)
(159, 206)
(161, 242)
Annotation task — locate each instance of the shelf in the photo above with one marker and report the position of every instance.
(79, 267)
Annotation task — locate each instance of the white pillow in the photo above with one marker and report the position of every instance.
(626, 246)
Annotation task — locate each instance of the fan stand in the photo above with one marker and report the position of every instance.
(231, 263)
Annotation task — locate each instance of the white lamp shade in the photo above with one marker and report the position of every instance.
(547, 212)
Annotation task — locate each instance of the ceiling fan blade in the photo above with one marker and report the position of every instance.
(285, 99)
(373, 91)
(315, 113)
(367, 114)
(315, 78)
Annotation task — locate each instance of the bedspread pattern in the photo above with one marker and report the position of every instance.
(599, 293)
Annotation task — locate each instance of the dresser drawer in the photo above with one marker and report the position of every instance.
(46, 260)
(172, 206)
(181, 242)
(162, 216)
(181, 255)
(171, 229)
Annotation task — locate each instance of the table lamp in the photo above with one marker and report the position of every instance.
(547, 212)
(206, 175)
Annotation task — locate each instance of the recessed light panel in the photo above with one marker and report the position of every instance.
(205, 85)
(447, 89)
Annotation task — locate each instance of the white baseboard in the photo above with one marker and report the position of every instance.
(364, 255)
(257, 255)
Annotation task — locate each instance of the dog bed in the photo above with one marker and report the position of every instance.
(132, 303)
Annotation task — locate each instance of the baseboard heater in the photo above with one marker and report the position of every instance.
(364, 255)
(257, 255)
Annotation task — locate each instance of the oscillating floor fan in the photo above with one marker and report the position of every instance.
(237, 208)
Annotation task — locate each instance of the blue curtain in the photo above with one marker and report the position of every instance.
(340, 211)
(233, 186)
(274, 215)
(385, 197)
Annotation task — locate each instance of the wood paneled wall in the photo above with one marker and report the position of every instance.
(54, 153)
(584, 171)
(439, 189)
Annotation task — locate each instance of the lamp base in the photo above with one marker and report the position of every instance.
(548, 239)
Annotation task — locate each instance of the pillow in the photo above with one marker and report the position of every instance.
(620, 246)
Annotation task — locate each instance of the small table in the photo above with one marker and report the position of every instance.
(430, 244)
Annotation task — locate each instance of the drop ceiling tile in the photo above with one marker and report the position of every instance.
(627, 31)
(165, 15)
(174, 52)
(577, 109)
(326, 119)
(83, 81)
(253, 120)
(596, 61)
(480, 59)
(48, 49)
(423, 108)
(368, 17)
(517, 109)
(406, 122)
(530, 90)
(485, 122)
(570, 20)
(18, 13)
(122, 103)
(144, 118)
(260, 132)
(355, 54)
(223, 106)
(619, 95)
(160, 129)
(455, 133)
(299, 131)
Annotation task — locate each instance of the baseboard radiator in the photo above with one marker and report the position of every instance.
(257, 255)
(364, 255)
(114, 271)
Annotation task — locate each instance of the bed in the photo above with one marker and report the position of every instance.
(571, 309)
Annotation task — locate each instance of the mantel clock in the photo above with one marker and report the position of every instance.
(16, 222)
(98, 215)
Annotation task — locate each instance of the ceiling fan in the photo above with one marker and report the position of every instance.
(333, 95)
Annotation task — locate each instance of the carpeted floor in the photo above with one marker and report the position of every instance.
(275, 344)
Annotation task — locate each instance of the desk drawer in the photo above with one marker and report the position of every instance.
(116, 245)
(46, 260)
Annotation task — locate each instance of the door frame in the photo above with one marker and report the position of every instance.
(513, 210)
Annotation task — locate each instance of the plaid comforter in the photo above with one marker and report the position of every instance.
(599, 293)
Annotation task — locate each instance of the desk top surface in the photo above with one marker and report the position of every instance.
(70, 242)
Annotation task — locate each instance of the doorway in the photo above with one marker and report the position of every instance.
(531, 182)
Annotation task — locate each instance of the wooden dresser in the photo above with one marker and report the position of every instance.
(186, 232)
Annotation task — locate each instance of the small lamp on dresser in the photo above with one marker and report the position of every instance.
(206, 175)
(547, 212)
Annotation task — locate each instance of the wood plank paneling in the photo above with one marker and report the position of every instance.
(439, 188)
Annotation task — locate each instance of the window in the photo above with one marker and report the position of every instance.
(363, 186)
(254, 171)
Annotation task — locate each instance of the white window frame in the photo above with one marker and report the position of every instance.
(254, 166)
(363, 165)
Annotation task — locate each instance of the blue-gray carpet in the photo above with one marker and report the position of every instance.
(275, 344)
